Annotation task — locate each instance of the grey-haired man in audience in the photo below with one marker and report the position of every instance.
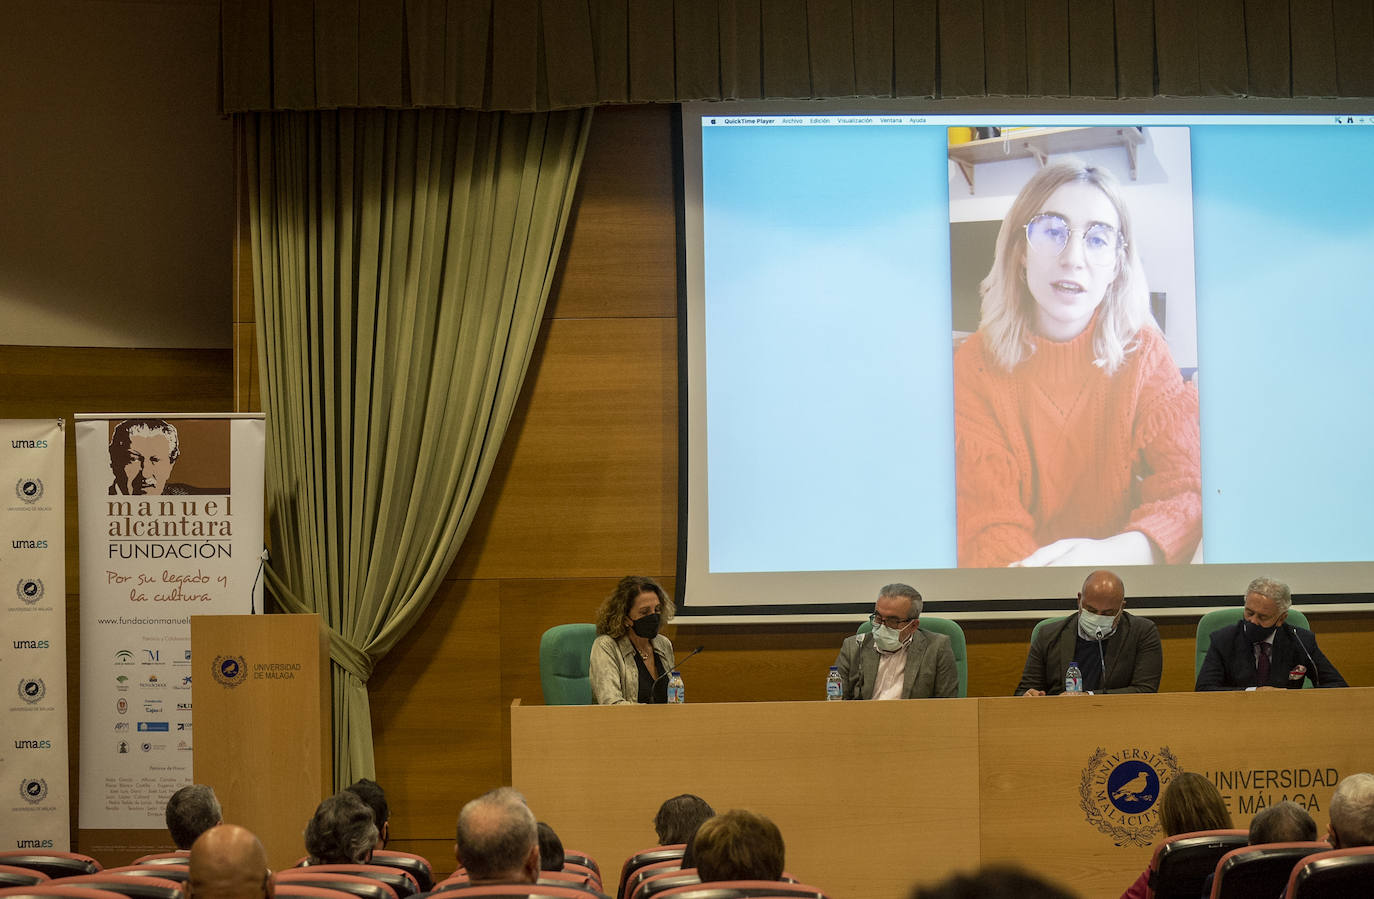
(1352, 813)
(341, 831)
(498, 839)
(190, 812)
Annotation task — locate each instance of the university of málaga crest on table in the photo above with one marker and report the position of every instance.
(1120, 792)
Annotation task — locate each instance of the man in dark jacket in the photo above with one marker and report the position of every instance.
(1263, 651)
(1115, 651)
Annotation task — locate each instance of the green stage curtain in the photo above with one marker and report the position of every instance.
(529, 55)
(401, 263)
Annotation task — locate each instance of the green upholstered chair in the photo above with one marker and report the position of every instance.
(1219, 618)
(565, 653)
(1035, 631)
(957, 643)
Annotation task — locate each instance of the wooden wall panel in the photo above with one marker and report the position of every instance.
(436, 711)
(620, 255)
(586, 483)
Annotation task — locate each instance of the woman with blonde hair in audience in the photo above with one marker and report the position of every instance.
(1190, 803)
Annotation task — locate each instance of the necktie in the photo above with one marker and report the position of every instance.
(1262, 665)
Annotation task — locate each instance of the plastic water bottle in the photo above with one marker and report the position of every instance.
(1073, 679)
(834, 687)
(676, 691)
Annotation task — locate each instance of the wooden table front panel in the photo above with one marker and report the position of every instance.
(870, 797)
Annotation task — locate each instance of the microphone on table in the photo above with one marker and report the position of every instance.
(1316, 679)
(678, 666)
(253, 590)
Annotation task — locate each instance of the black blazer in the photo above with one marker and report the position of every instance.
(1134, 657)
(1230, 661)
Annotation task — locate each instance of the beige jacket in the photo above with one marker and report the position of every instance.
(614, 674)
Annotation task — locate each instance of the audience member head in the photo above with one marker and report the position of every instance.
(738, 845)
(342, 831)
(998, 882)
(370, 792)
(679, 817)
(190, 812)
(632, 597)
(550, 849)
(1286, 822)
(1191, 803)
(498, 838)
(228, 862)
(1352, 812)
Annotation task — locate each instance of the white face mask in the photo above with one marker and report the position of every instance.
(1095, 627)
(886, 639)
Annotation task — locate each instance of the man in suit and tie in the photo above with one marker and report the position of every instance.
(1263, 651)
(1115, 651)
(897, 660)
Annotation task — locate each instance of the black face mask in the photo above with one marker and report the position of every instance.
(647, 627)
(1254, 633)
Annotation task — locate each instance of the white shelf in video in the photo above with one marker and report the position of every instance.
(1042, 143)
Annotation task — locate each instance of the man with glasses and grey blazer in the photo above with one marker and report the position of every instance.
(897, 660)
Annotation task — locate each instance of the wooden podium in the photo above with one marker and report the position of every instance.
(261, 715)
(874, 797)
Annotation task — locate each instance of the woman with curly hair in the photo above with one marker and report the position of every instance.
(631, 660)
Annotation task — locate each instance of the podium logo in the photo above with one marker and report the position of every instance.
(122, 706)
(32, 689)
(1119, 793)
(229, 671)
(29, 490)
(33, 789)
(124, 657)
(29, 590)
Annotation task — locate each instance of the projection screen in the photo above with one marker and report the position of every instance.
(1161, 366)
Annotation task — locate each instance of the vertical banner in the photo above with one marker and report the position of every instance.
(35, 808)
(170, 510)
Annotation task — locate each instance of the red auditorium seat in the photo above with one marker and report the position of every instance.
(14, 876)
(179, 857)
(54, 890)
(417, 866)
(360, 887)
(1337, 874)
(131, 885)
(400, 881)
(668, 853)
(1182, 862)
(1260, 870)
(744, 889)
(54, 864)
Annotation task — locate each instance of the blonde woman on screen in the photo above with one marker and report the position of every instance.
(1077, 438)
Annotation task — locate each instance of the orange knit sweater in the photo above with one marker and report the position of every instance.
(1058, 449)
